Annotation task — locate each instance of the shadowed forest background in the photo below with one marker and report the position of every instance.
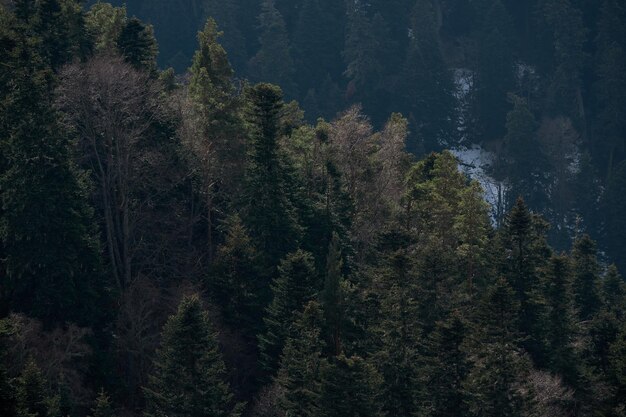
(312, 208)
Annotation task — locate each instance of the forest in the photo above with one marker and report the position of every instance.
(312, 208)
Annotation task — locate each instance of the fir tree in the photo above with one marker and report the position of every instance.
(523, 243)
(301, 363)
(235, 279)
(614, 292)
(31, 392)
(51, 252)
(102, 406)
(189, 374)
(350, 388)
(8, 400)
(586, 277)
(493, 384)
(398, 359)
(332, 295)
(137, 45)
(560, 333)
(273, 62)
(447, 368)
(295, 285)
(269, 214)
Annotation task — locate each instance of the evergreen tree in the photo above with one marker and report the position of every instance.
(615, 221)
(102, 406)
(614, 291)
(525, 163)
(350, 388)
(446, 368)
(8, 400)
(493, 385)
(494, 70)
(398, 329)
(51, 252)
(560, 333)
(609, 89)
(31, 392)
(273, 62)
(235, 278)
(137, 45)
(189, 374)
(427, 87)
(586, 277)
(295, 285)
(301, 363)
(525, 252)
(332, 295)
(269, 214)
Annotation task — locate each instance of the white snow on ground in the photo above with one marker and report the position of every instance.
(475, 161)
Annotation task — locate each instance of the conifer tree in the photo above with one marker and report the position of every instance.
(614, 291)
(102, 406)
(301, 364)
(189, 375)
(217, 147)
(137, 45)
(273, 63)
(331, 296)
(52, 256)
(586, 277)
(398, 329)
(560, 333)
(494, 68)
(295, 285)
(446, 368)
(427, 87)
(31, 392)
(235, 279)
(350, 388)
(8, 403)
(523, 240)
(525, 162)
(269, 214)
(493, 385)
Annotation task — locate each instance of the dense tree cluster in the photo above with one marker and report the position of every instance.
(536, 83)
(193, 246)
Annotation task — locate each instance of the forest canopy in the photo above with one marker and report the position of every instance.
(274, 208)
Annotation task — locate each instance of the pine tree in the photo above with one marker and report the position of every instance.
(189, 374)
(614, 292)
(218, 146)
(52, 256)
(493, 385)
(301, 363)
(446, 368)
(525, 163)
(609, 89)
(137, 45)
(398, 359)
(235, 278)
(560, 333)
(351, 387)
(295, 285)
(273, 63)
(427, 87)
(269, 215)
(332, 295)
(586, 277)
(494, 69)
(523, 242)
(102, 406)
(31, 392)
(8, 400)
(615, 221)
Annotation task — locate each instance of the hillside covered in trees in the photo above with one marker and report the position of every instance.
(269, 212)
